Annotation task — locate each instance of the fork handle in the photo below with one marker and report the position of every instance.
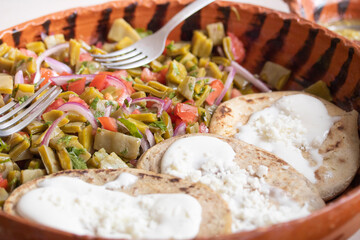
(184, 14)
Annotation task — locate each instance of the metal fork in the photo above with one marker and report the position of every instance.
(150, 47)
(11, 123)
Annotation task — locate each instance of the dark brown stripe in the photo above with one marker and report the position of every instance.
(129, 12)
(103, 24)
(46, 26)
(70, 28)
(273, 46)
(191, 23)
(253, 33)
(317, 13)
(342, 75)
(157, 20)
(16, 37)
(342, 7)
(318, 70)
(301, 57)
(1, 41)
(225, 16)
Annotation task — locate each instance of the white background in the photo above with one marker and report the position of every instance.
(13, 12)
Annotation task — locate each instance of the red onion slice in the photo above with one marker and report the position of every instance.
(6, 97)
(249, 77)
(114, 81)
(45, 54)
(57, 66)
(180, 130)
(167, 104)
(19, 77)
(227, 84)
(159, 103)
(107, 111)
(150, 137)
(144, 144)
(79, 108)
(51, 129)
(61, 80)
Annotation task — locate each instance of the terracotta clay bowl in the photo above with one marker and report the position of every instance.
(310, 51)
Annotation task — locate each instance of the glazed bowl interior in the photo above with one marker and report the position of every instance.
(311, 52)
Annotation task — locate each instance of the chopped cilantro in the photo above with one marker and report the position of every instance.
(13, 182)
(65, 139)
(109, 103)
(176, 69)
(77, 161)
(143, 33)
(191, 86)
(129, 79)
(15, 90)
(124, 152)
(98, 114)
(172, 95)
(192, 68)
(94, 102)
(4, 146)
(22, 99)
(193, 74)
(29, 59)
(126, 103)
(20, 63)
(146, 66)
(82, 67)
(48, 123)
(212, 90)
(4, 161)
(170, 46)
(159, 124)
(131, 127)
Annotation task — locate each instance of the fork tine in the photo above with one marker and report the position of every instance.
(119, 58)
(116, 53)
(31, 116)
(7, 107)
(132, 65)
(28, 110)
(125, 62)
(24, 104)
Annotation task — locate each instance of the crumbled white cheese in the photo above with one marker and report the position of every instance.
(253, 203)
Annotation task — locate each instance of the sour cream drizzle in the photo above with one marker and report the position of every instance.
(72, 205)
(253, 203)
(292, 125)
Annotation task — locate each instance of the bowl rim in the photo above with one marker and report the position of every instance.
(350, 197)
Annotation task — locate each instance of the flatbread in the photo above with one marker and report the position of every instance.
(216, 217)
(340, 150)
(280, 174)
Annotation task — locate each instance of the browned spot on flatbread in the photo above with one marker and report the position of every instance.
(333, 147)
(174, 180)
(341, 127)
(224, 110)
(250, 100)
(317, 175)
(341, 160)
(142, 175)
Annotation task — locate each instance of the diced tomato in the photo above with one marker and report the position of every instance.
(3, 182)
(217, 86)
(187, 113)
(121, 75)
(99, 82)
(162, 75)
(237, 48)
(77, 99)
(235, 93)
(77, 86)
(190, 102)
(203, 128)
(28, 53)
(47, 74)
(147, 75)
(167, 42)
(108, 123)
(85, 57)
(136, 111)
(65, 74)
(55, 105)
(99, 44)
(178, 121)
